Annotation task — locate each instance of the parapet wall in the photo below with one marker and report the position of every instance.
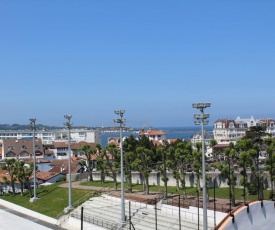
(258, 216)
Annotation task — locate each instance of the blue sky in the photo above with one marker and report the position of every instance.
(151, 58)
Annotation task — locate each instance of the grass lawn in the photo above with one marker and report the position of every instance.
(52, 199)
(222, 193)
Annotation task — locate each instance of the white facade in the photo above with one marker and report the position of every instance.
(47, 137)
(226, 130)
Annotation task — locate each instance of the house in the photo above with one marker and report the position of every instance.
(48, 136)
(153, 134)
(61, 166)
(114, 140)
(76, 147)
(226, 130)
(197, 137)
(46, 177)
(60, 149)
(218, 148)
(7, 187)
(41, 164)
(21, 148)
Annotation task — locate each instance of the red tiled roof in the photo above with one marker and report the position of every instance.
(151, 132)
(38, 160)
(46, 175)
(63, 144)
(19, 146)
(64, 162)
(79, 145)
(63, 169)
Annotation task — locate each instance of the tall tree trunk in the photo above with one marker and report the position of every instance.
(147, 185)
(115, 181)
(233, 195)
(272, 185)
(29, 188)
(165, 187)
(184, 189)
(129, 182)
(102, 177)
(13, 188)
(22, 188)
(91, 175)
(177, 184)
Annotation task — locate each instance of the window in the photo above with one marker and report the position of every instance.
(10, 148)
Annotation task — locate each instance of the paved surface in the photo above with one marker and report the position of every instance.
(13, 220)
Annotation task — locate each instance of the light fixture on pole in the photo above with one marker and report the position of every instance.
(202, 119)
(121, 122)
(68, 125)
(33, 128)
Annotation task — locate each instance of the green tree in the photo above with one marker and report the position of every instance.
(256, 135)
(245, 152)
(197, 167)
(227, 169)
(213, 142)
(112, 162)
(89, 152)
(129, 147)
(163, 152)
(143, 163)
(11, 167)
(100, 162)
(179, 158)
(270, 163)
(23, 174)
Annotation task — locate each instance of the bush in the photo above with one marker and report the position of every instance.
(62, 179)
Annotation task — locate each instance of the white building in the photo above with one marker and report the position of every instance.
(227, 130)
(197, 137)
(153, 134)
(47, 137)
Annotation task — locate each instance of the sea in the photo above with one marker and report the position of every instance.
(184, 133)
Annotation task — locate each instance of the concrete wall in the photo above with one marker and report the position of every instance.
(190, 178)
(259, 217)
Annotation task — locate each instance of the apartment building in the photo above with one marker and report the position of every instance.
(48, 136)
(153, 134)
(21, 149)
(227, 130)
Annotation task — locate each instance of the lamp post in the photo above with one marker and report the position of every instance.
(68, 125)
(33, 128)
(202, 119)
(121, 122)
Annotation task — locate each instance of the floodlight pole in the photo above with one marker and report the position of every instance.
(68, 125)
(121, 123)
(202, 119)
(33, 127)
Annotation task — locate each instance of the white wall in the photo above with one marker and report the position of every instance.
(257, 218)
(190, 178)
